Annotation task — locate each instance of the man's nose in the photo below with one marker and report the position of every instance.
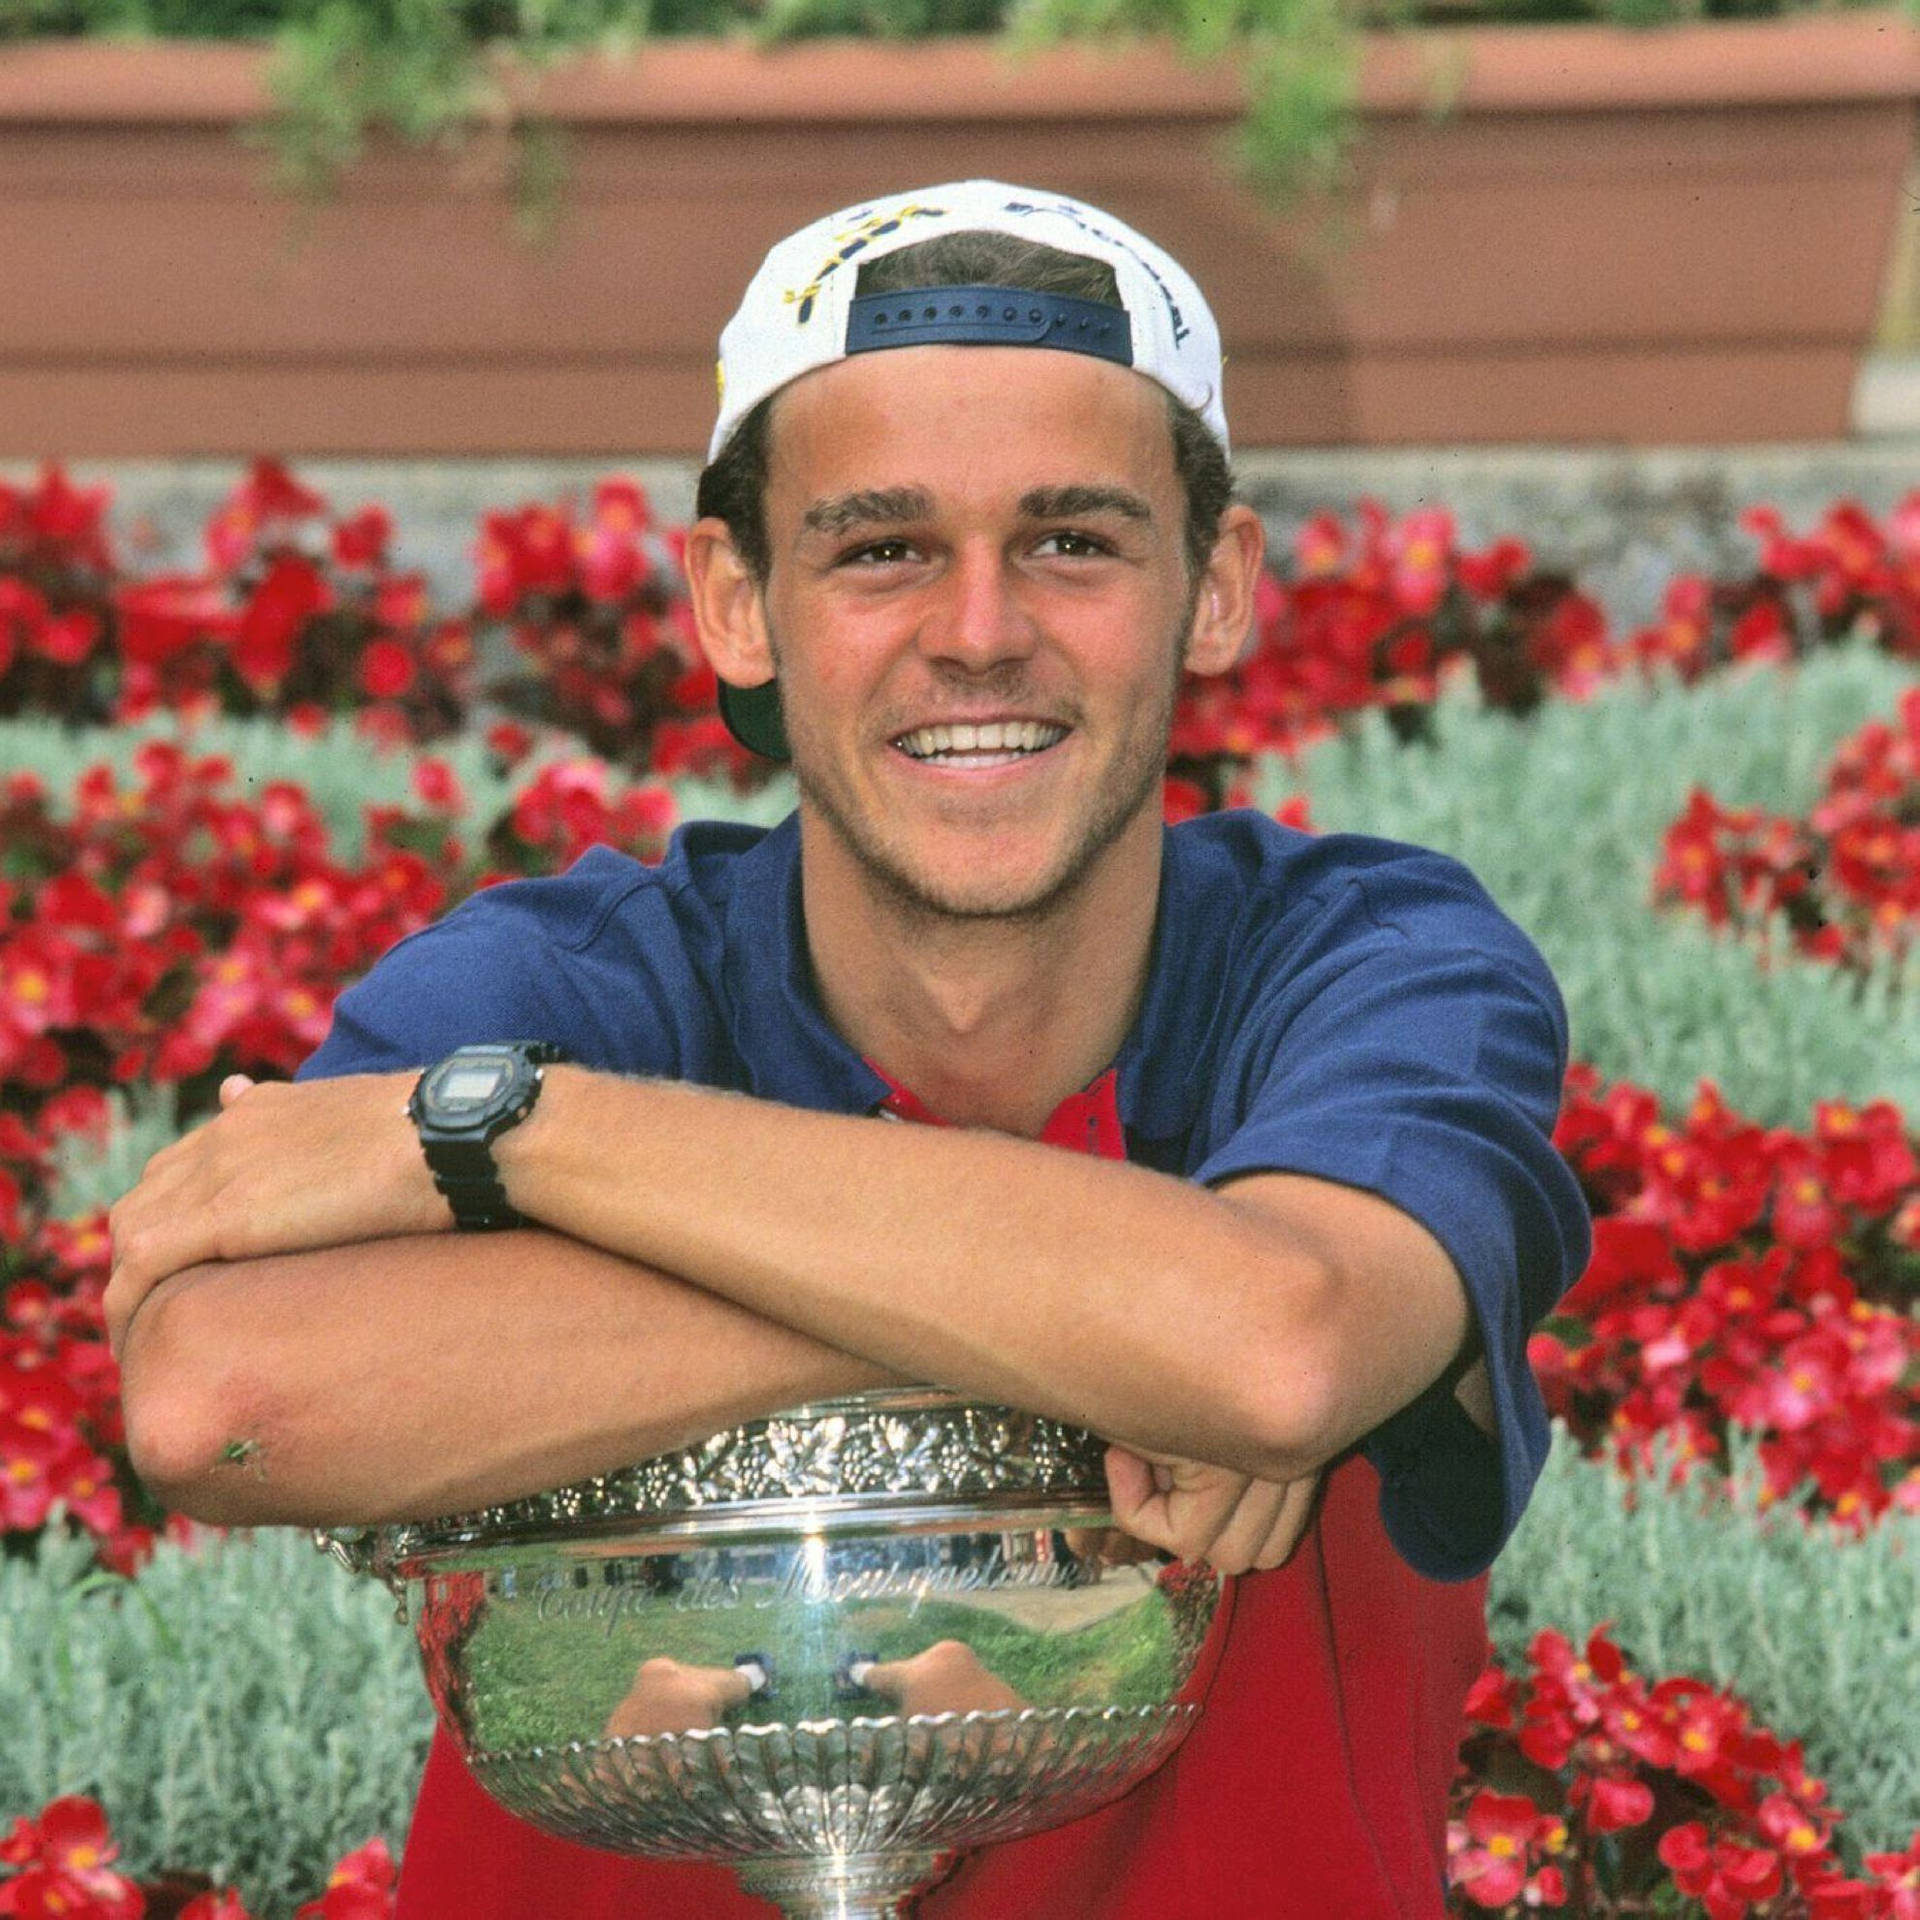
(980, 618)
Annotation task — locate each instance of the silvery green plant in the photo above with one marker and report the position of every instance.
(247, 1710)
(89, 1174)
(1562, 817)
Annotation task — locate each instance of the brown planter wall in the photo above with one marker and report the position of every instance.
(1671, 238)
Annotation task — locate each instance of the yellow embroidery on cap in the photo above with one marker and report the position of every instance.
(850, 242)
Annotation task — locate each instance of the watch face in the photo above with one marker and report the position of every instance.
(471, 1083)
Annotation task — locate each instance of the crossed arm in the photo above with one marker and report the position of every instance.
(287, 1275)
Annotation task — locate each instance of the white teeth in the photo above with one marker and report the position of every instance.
(996, 736)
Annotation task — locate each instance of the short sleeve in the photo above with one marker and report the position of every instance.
(442, 988)
(1418, 1055)
(592, 961)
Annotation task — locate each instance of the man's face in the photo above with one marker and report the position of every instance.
(978, 603)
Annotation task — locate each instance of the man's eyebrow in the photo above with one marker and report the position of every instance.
(875, 506)
(1083, 502)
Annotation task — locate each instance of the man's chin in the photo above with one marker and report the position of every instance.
(981, 891)
(1018, 867)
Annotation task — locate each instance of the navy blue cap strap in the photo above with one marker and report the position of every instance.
(989, 317)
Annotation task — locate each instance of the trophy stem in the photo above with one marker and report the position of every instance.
(857, 1886)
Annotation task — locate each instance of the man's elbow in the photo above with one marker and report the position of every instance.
(1290, 1412)
(192, 1442)
(1292, 1426)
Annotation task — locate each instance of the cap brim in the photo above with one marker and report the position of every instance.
(753, 718)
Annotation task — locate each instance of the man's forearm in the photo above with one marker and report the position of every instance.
(1165, 1316)
(406, 1378)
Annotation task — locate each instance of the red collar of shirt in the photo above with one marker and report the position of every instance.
(1084, 1122)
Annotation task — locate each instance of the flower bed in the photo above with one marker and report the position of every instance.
(1845, 880)
(1745, 1276)
(62, 1864)
(1622, 1794)
(163, 924)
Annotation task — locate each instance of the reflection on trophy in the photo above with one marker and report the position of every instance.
(832, 1649)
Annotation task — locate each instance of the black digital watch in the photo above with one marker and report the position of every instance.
(464, 1104)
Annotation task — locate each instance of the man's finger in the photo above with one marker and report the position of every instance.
(1244, 1534)
(232, 1087)
(1139, 1508)
(1179, 1505)
(1290, 1524)
(1129, 1481)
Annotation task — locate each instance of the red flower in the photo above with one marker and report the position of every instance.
(1181, 800)
(263, 510)
(359, 1888)
(1489, 575)
(1804, 1213)
(215, 1906)
(161, 617)
(1617, 1801)
(437, 787)
(1727, 1878)
(1899, 1874)
(66, 1876)
(290, 594)
(67, 638)
(386, 670)
(1502, 1833)
(509, 742)
(57, 525)
(521, 554)
(360, 543)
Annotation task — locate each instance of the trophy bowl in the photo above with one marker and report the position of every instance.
(832, 1649)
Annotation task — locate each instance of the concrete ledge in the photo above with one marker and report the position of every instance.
(1886, 399)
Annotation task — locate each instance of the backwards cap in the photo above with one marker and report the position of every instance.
(803, 310)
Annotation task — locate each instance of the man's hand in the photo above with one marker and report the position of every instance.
(1197, 1512)
(280, 1169)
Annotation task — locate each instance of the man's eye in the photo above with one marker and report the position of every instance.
(878, 553)
(1072, 545)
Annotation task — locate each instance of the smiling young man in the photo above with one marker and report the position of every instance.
(966, 522)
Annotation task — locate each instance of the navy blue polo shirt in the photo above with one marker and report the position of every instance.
(1337, 1006)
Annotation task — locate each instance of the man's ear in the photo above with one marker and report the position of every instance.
(729, 613)
(1223, 608)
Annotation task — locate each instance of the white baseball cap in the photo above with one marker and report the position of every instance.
(802, 309)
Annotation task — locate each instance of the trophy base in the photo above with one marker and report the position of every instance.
(869, 1887)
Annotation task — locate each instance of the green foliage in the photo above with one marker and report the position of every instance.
(422, 70)
(1817, 1631)
(248, 1711)
(1302, 59)
(178, 19)
(1562, 815)
(426, 71)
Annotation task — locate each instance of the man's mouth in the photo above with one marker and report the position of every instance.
(994, 743)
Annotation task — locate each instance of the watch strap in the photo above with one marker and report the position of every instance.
(480, 1205)
(463, 1170)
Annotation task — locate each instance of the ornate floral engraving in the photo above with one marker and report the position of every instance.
(906, 1446)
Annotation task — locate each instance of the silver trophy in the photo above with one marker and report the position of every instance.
(832, 1649)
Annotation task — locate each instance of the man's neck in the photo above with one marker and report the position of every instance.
(990, 1023)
